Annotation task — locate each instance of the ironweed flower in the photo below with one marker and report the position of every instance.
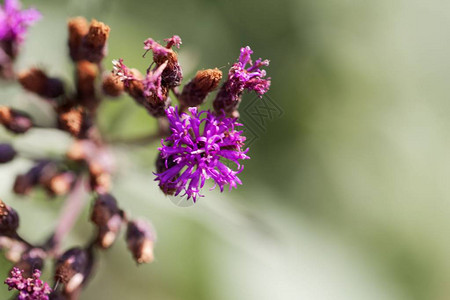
(199, 145)
(14, 22)
(29, 288)
(240, 78)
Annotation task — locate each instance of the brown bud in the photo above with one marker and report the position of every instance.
(78, 28)
(224, 102)
(31, 260)
(94, 42)
(14, 120)
(75, 121)
(112, 86)
(140, 239)
(37, 174)
(195, 92)
(98, 34)
(60, 184)
(85, 76)
(155, 106)
(108, 218)
(172, 74)
(71, 268)
(105, 207)
(7, 153)
(36, 81)
(9, 220)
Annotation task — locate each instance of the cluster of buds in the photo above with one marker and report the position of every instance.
(196, 145)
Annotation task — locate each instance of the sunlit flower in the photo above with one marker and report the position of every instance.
(199, 147)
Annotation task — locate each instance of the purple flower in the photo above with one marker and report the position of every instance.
(152, 83)
(241, 78)
(15, 22)
(198, 149)
(29, 288)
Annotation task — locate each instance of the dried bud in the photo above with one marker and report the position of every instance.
(71, 268)
(85, 76)
(31, 260)
(36, 81)
(112, 85)
(140, 238)
(94, 43)
(195, 92)
(78, 28)
(75, 121)
(100, 182)
(60, 184)
(108, 218)
(7, 153)
(39, 173)
(9, 220)
(14, 120)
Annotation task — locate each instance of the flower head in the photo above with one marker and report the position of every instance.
(15, 22)
(241, 77)
(29, 288)
(198, 148)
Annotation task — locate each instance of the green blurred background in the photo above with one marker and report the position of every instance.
(347, 193)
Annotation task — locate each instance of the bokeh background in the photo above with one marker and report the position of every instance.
(347, 193)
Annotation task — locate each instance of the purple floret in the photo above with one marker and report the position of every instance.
(152, 83)
(198, 148)
(252, 78)
(14, 22)
(29, 288)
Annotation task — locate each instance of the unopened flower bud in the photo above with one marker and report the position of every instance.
(195, 92)
(37, 174)
(86, 73)
(71, 268)
(94, 43)
(78, 27)
(14, 120)
(112, 85)
(140, 239)
(108, 218)
(100, 181)
(7, 153)
(60, 184)
(74, 120)
(9, 220)
(36, 81)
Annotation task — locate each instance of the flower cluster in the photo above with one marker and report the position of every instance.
(29, 288)
(196, 145)
(198, 148)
